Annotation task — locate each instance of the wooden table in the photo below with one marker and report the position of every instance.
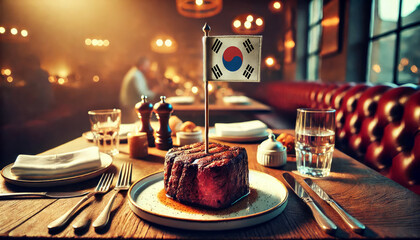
(220, 106)
(387, 209)
(220, 111)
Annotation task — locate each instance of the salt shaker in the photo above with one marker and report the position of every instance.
(163, 111)
(144, 111)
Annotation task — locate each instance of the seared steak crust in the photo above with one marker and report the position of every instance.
(216, 179)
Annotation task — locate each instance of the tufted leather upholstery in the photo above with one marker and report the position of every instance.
(378, 125)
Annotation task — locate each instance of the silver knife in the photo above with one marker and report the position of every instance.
(43, 194)
(323, 221)
(354, 224)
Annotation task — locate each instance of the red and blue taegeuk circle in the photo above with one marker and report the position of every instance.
(232, 58)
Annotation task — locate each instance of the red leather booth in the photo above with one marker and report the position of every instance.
(378, 125)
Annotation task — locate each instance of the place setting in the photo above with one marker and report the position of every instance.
(58, 169)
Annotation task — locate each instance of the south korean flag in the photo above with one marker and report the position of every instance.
(233, 58)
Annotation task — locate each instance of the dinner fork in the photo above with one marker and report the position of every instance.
(102, 187)
(123, 183)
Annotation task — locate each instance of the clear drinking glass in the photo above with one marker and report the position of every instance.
(314, 141)
(105, 126)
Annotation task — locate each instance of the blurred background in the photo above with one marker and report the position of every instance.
(61, 58)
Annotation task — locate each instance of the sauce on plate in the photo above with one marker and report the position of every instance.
(239, 205)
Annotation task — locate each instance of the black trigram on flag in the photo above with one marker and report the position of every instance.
(248, 71)
(216, 45)
(248, 46)
(216, 71)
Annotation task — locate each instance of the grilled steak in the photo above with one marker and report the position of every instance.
(215, 179)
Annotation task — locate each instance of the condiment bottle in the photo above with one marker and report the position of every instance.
(144, 111)
(137, 143)
(163, 111)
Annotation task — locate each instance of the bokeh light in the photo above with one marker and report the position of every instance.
(13, 31)
(24, 33)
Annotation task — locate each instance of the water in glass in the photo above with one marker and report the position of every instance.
(314, 142)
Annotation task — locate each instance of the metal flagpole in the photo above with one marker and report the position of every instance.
(206, 30)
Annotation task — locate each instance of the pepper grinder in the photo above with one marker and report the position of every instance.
(144, 111)
(163, 111)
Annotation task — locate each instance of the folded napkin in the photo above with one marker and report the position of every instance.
(180, 100)
(236, 100)
(126, 128)
(240, 129)
(55, 166)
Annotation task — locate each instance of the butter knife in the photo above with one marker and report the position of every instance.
(352, 222)
(323, 221)
(43, 194)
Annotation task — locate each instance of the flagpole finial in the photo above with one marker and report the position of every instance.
(206, 29)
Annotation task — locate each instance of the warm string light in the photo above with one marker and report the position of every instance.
(6, 72)
(168, 42)
(163, 44)
(95, 78)
(97, 42)
(194, 90)
(199, 2)
(24, 33)
(269, 61)
(289, 44)
(275, 6)
(14, 31)
(248, 24)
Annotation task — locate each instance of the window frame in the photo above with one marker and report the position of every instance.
(397, 31)
(316, 53)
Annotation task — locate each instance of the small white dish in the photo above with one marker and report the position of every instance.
(106, 162)
(185, 138)
(180, 100)
(270, 201)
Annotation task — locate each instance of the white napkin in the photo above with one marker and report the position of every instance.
(126, 128)
(54, 166)
(236, 100)
(180, 100)
(240, 129)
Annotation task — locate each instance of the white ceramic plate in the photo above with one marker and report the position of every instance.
(267, 199)
(239, 100)
(180, 100)
(255, 138)
(106, 161)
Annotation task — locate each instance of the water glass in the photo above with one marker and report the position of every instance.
(105, 126)
(314, 141)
